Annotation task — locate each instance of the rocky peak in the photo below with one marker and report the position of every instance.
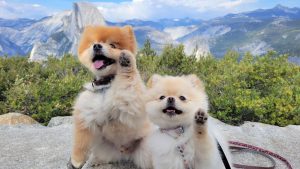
(83, 14)
(279, 6)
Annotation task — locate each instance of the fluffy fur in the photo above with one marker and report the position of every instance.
(191, 104)
(110, 121)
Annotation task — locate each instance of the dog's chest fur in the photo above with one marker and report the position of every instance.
(165, 152)
(115, 112)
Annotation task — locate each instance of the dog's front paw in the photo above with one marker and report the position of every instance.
(201, 117)
(201, 122)
(125, 59)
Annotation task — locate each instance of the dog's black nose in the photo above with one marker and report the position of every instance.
(97, 47)
(171, 100)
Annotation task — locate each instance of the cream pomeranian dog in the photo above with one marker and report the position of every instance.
(185, 138)
(109, 115)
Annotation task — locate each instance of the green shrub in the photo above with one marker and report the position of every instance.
(263, 89)
(43, 90)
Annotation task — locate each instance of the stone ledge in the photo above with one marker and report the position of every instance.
(36, 147)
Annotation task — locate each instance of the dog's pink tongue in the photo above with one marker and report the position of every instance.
(171, 111)
(98, 64)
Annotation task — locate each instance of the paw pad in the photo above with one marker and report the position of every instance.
(124, 60)
(201, 117)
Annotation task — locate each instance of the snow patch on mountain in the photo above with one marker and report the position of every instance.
(216, 31)
(198, 46)
(256, 47)
(208, 33)
(280, 21)
(180, 31)
(199, 41)
(158, 38)
(297, 37)
(284, 36)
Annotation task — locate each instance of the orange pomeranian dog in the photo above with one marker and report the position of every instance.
(109, 117)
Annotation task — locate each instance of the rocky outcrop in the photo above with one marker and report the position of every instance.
(16, 119)
(69, 26)
(56, 121)
(49, 147)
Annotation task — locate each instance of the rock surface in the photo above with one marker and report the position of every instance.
(16, 118)
(38, 147)
(56, 121)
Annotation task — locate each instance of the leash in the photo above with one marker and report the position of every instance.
(266, 153)
(242, 149)
(223, 156)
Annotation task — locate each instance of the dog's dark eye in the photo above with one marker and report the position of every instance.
(113, 45)
(182, 98)
(162, 97)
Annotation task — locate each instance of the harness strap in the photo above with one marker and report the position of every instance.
(187, 164)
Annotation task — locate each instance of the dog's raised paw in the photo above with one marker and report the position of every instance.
(201, 117)
(124, 60)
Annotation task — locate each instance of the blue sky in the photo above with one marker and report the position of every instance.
(119, 10)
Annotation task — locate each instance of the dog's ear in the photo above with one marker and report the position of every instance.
(128, 30)
(196, 82)
(84, 39)
(153, 79)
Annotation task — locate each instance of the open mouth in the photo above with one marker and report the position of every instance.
(172, 111)
(100, 61)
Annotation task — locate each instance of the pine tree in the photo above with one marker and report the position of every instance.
(147, 49)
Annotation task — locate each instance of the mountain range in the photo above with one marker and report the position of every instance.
(256, 31)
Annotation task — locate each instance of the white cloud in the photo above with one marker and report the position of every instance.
(157, 9)
(235, 3)
(136, 9)
(2, 2)
(36, 5)
(10, 10)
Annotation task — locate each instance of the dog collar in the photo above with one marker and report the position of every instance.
(99, 85)
(103, 80)
(175, 132)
